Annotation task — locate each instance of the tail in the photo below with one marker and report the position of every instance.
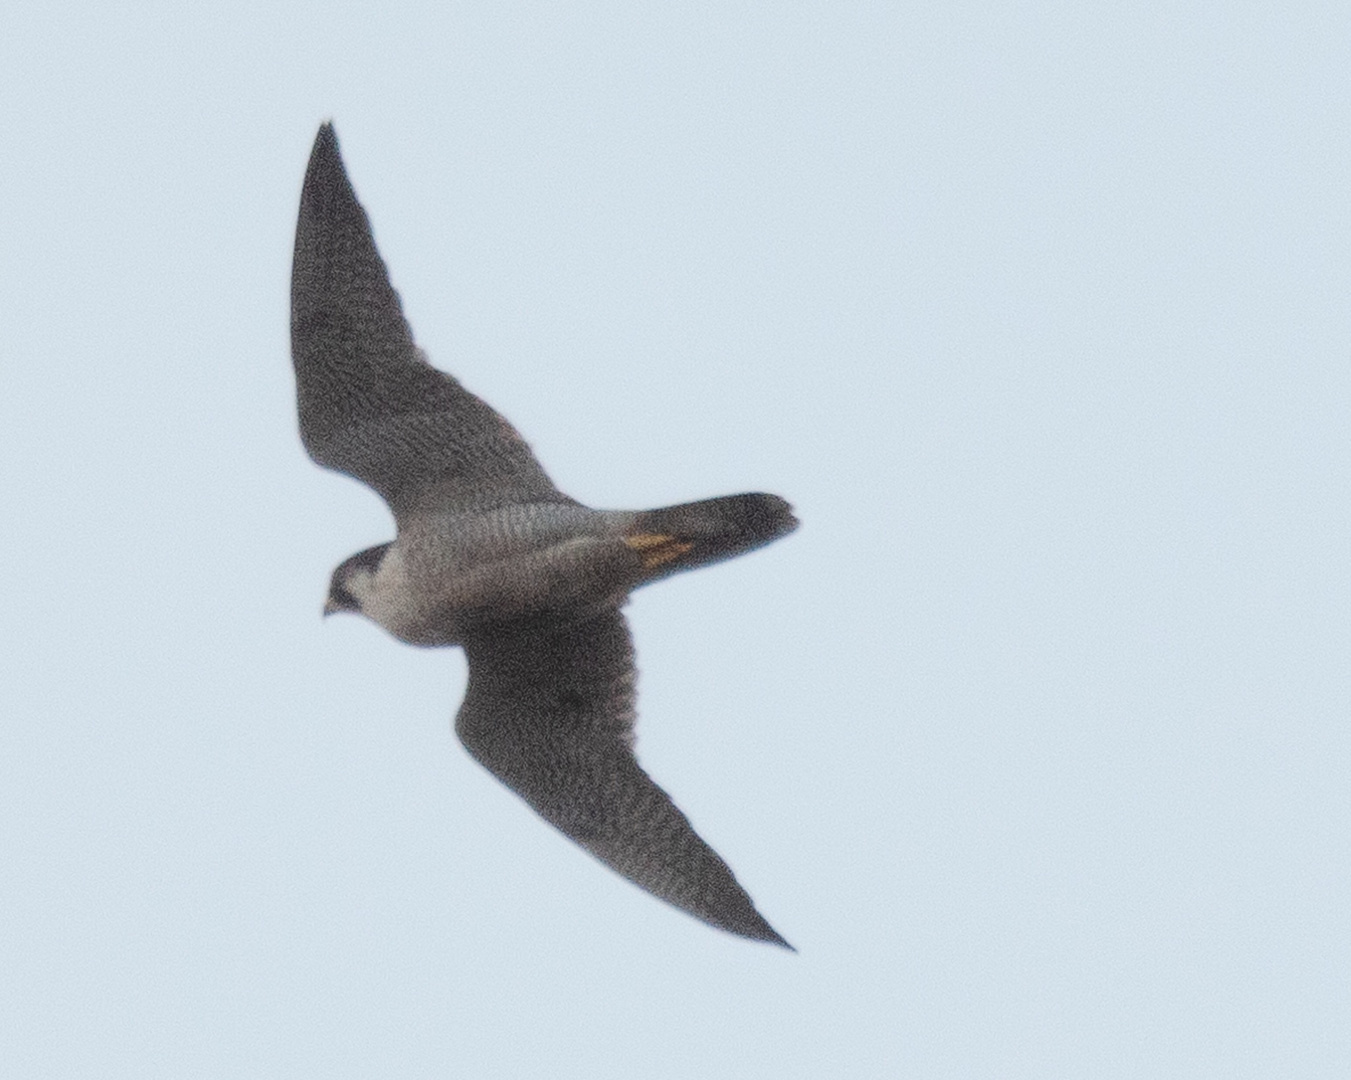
(683, 537)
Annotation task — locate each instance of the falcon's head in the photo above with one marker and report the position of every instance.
(353, 580)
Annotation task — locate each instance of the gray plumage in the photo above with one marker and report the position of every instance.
(489, 555)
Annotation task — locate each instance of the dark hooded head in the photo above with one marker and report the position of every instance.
(340, 594)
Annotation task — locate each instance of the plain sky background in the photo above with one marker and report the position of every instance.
(1034, 739)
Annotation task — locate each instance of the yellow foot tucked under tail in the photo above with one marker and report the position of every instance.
(657, 548)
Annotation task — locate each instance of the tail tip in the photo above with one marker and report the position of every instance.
(770, 515)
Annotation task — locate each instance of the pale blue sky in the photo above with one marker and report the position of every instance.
(1034, 739)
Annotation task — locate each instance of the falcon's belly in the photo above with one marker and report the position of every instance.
(443, 578)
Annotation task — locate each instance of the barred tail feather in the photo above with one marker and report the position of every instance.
(683, 537)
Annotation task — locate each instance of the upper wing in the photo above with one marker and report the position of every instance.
(370, 404)
(550, 711)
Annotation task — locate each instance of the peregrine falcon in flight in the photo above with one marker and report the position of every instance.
(490, 556)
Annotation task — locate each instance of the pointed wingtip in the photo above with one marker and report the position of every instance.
(770, 936)
(327, 136)
(747, 923)
(326, 194)
(776, 940)
(325, 147)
